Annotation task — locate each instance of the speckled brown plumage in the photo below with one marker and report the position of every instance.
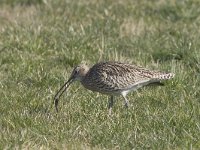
(114, 78)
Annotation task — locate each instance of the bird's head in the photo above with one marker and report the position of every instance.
(77, 74)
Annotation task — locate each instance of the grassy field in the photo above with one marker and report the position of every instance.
(42, 40)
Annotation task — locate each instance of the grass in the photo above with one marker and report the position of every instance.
(40, 43)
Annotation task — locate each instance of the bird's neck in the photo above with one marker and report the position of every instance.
(84, 74)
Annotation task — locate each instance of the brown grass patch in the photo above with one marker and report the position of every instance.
(17, 15)
(132, 27)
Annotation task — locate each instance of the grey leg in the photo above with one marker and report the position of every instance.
(110, 104)
(126, 100)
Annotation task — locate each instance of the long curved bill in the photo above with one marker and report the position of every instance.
(61, 91)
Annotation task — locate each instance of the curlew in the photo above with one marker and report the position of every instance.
(113, 78)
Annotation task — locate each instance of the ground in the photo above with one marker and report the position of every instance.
(42, 40)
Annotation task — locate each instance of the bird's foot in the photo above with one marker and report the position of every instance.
(126, 105)
(110, 112)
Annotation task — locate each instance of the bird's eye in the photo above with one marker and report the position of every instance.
(76, 71)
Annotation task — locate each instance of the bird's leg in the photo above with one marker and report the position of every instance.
(125, 100)
(110, 104)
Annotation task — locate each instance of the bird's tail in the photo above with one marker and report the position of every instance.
(163, 76)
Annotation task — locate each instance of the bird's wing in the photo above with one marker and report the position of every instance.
(114, 76)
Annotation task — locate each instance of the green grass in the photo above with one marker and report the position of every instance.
(41, 42)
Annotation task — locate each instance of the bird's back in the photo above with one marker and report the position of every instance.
(109, 77)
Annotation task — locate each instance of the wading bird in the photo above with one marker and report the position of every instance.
(113, 78)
